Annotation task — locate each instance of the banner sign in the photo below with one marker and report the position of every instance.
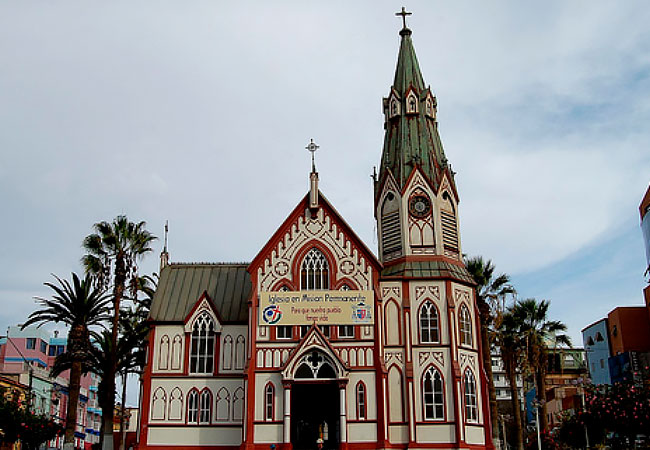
(322, 307)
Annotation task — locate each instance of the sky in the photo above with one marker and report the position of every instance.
(199, 113)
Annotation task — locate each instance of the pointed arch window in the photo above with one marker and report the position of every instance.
(202, 345)
(269, 402)
(193, 407)
(449, 225)
(361, 401)
(429, 324)
(391, 231)
(205, 411)
(433, 395)
(465, 326)
(469, 386)
(314, 272)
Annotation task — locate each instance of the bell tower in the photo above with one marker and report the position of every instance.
(416, 202)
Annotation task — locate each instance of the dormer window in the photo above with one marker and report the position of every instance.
(430, 106)
(411, 103)
(394, 108)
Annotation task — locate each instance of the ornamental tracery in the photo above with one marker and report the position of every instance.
(348, 260)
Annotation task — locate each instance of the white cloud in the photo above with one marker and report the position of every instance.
(199, 114)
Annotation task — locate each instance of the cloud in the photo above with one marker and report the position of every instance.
(199, 115)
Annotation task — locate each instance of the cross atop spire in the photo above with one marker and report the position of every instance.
(403, 13)
(313, 177)
(312, 147)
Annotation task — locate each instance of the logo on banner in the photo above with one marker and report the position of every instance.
(272, 314)
(361, 313)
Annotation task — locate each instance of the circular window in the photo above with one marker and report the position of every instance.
(420, 206)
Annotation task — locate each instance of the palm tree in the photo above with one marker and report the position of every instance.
(79, 305)
(489, 289)
(115, 248)
(132, 352)
(536, 330)
(511, 348)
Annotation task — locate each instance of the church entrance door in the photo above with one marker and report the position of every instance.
(315, 415)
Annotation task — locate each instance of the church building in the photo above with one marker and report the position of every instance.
(319, 343)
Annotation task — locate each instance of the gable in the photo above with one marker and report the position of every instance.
(350, 260)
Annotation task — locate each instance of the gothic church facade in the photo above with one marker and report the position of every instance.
(218, 377)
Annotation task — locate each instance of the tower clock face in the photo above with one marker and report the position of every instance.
(420, 206)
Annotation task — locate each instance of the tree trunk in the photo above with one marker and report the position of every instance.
(514, 399)
(120, 438)
(74, 387)
(484, 311)
(118, 292)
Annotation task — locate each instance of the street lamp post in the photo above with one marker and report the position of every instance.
(536, 404)
(584, 407)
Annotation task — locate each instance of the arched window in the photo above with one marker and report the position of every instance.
(223, 405)
(469, 385)
(361, 401)
(391, 231)
(433, 395)
(465, 326)
(314, 272)
(163, 356)
(205, 412)
(449, 225)
(202, 349)
(269, 401)
(193, 407)
(176, 404)
(159, 404)
(429, 324)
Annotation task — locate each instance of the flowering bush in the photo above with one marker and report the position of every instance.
(19, 424)
(614, 413)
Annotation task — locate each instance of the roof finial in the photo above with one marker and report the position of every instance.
(313, 178)
(166, 232)
(312, 147)
(403, 13)
(164, 255)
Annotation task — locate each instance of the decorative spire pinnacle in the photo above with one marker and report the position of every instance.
(166, 232)
(313, 177)
(164, 255)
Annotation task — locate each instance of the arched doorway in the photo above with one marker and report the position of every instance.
(315, 404)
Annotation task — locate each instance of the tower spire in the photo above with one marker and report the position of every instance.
(411, 138)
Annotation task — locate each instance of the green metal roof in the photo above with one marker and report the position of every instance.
(411, 139)
(181, 285)
(429, 269)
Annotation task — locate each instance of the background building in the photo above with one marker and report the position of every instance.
(644, 210)
(566, 372)
(595, 339)
(27, 357)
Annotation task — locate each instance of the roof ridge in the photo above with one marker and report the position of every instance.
(206, 263)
